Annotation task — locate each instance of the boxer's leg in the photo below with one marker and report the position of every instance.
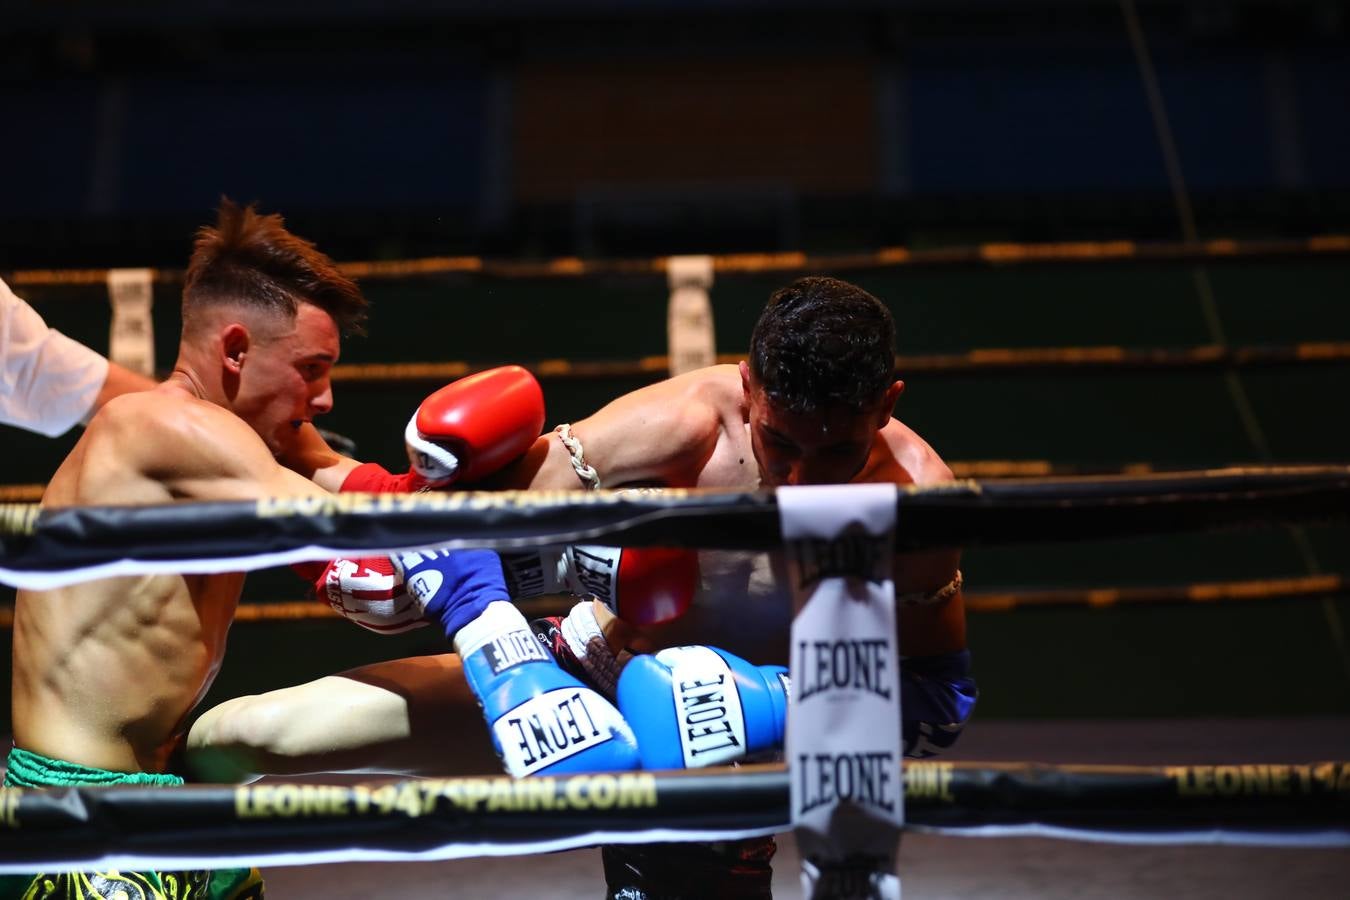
(412, 716)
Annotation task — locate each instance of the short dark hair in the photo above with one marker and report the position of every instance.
(823, 343)
(251, 259)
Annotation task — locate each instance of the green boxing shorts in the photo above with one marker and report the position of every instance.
(33, 770)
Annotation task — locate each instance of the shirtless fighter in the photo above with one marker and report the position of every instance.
(105, 673)
(811, 406)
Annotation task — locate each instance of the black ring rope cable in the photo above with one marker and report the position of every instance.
(70, 543)
(1300, 804)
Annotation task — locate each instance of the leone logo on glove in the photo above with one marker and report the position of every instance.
(547, 729)
(712, 725)
(512, 649)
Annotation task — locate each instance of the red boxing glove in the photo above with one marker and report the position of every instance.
(474, 426)
(641, 585)
(370, 592)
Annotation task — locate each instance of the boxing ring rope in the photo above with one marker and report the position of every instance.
(46, 547)
(192, 826)
(1309, 587)
(1305, 805)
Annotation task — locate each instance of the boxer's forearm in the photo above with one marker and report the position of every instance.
(311, 457)
(928, 629)
(546, 466)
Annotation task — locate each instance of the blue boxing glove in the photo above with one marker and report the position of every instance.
(937, 696)
(543, 720)
(452, 587)
(699, 706)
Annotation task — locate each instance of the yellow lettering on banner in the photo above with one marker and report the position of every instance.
(604, 791)
(451, 790)
(574, 789)
(1267, 780)
(502, 796)
(242, 808)
(475, 793)
(408, 800)
(1181, 775)
(431, 791)
(1256, 780)
(929, 780)
(9, 807)
(537, 793)
(384, 798)
(1227, 780)
(289, 800)
(637, 789)
(14, 515)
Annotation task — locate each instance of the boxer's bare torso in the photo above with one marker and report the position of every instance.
(694, 431)
(106, 671)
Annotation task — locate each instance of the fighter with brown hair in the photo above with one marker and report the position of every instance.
(106, 672)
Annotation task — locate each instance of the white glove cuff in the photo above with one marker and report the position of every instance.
(587, 642)
(432, 461)
(499, 618)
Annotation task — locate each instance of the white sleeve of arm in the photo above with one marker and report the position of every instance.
(48, 382)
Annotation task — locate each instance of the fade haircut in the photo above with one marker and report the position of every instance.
(248, 259)
(822, 343)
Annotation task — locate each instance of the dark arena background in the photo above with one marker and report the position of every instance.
(1115, 237)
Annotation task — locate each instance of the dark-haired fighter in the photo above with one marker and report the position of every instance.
(812, 405)
(106, 672)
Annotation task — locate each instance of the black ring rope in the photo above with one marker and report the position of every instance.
(78, 540)
(1287, 804)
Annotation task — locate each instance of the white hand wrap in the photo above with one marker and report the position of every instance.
(587, 642)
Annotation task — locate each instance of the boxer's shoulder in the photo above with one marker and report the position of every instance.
(901, 456)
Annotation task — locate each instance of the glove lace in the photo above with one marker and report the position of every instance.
(587, 643)
(590, 479)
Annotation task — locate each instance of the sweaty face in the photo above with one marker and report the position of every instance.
(825, 447)
(284, 380)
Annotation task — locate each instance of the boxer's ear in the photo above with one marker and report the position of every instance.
(234, 346)
(888, 401)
